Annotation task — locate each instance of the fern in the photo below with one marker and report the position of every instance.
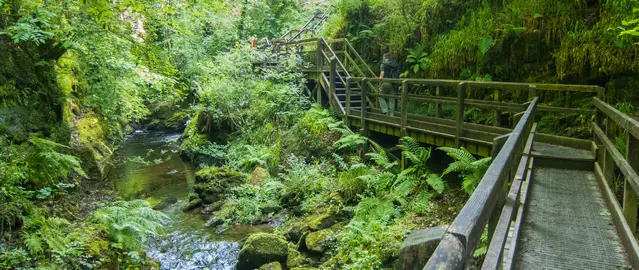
(47, 165)
(467, 166)
(130, 222)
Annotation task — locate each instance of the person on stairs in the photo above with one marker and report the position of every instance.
(389, 69)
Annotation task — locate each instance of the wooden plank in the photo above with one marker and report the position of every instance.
(493, 259)
(459, 111)
(620, 118)
(629, 195)
(404, 108)
(520, 216)
(438, 110)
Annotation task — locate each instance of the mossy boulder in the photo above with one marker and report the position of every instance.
(295, 258)
(89, 140)
(213, 184)
(192, 205)
(322, 221)
(165, 203)
(258, 176)
(260, 249)
(294, 229)
(320, 241)
(271, 266)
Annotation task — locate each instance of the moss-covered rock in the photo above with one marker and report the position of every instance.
(294, 229)
(295, 258)
(258, 176)
(271, 266)
(89, 140)
(319, 241)
(213, 184)
(260, 249)
(165, 203)
(192, 205)
(322, 221)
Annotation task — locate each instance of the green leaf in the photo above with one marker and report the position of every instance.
(436, 182)
(485, 44)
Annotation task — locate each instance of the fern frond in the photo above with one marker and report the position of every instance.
(460, 154)
(436, 182)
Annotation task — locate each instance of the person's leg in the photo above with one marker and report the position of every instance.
(384, 105)
(391, 107)
(385, 102)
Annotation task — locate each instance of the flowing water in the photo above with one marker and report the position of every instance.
(148, 166)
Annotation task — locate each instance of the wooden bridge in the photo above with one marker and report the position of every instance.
(547, 201)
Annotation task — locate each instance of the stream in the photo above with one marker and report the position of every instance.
(148, 166)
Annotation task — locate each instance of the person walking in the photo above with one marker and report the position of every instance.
(389, 69)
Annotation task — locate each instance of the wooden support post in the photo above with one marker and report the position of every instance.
(497, 115)
(438, 112)
(333, 74)
(532, 91)
(629, 194)
(461, 95)
(404, 109)
(609, 164)
(364, 124)
(320, 57)
(318, 92)
(347, 120)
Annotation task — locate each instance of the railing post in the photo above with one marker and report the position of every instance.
(363, 124)
(320, 57)
(461, 95)
(609, 164)
(629, 195)
(438, 112)
(532, 91)
(347, 120)
(404, 109)
(333, 73)
(497, 115)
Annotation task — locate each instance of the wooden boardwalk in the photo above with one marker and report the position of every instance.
(546, 202)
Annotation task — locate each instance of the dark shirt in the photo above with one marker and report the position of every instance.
(390, 69)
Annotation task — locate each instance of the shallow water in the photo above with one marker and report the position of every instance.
(148, 166)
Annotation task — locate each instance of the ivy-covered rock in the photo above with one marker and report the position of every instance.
(260, 249)
(213, 184)
(319, 241)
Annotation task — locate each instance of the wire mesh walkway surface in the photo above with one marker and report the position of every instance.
(567, 224)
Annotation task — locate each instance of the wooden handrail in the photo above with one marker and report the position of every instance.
(463, 235)
(625, 219)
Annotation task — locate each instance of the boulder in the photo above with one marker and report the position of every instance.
(294, 229)
(268, 209)
(319, 241)
(258, 176)
(260, 249)
(322, 221)
(212, 184)
(192, 205)
(165, 203)
(295, 258)
(213, 207)
(271, 266)
(418, 247)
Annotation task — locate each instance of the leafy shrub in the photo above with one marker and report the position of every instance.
(471, 169)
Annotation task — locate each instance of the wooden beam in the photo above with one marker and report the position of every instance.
(404, 108)
(629, 195)
(617, 158)
(461, 95)
(623, 120)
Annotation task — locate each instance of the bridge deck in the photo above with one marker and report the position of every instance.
(567, 224)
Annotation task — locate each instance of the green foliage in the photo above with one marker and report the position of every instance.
(47, 165)
(417, 59)
(128, 223)
(37, 28)
(418, 176)
(634, 23)
(467, 166)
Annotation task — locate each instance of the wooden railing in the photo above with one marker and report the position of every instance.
(611, 165)
(485, 206)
